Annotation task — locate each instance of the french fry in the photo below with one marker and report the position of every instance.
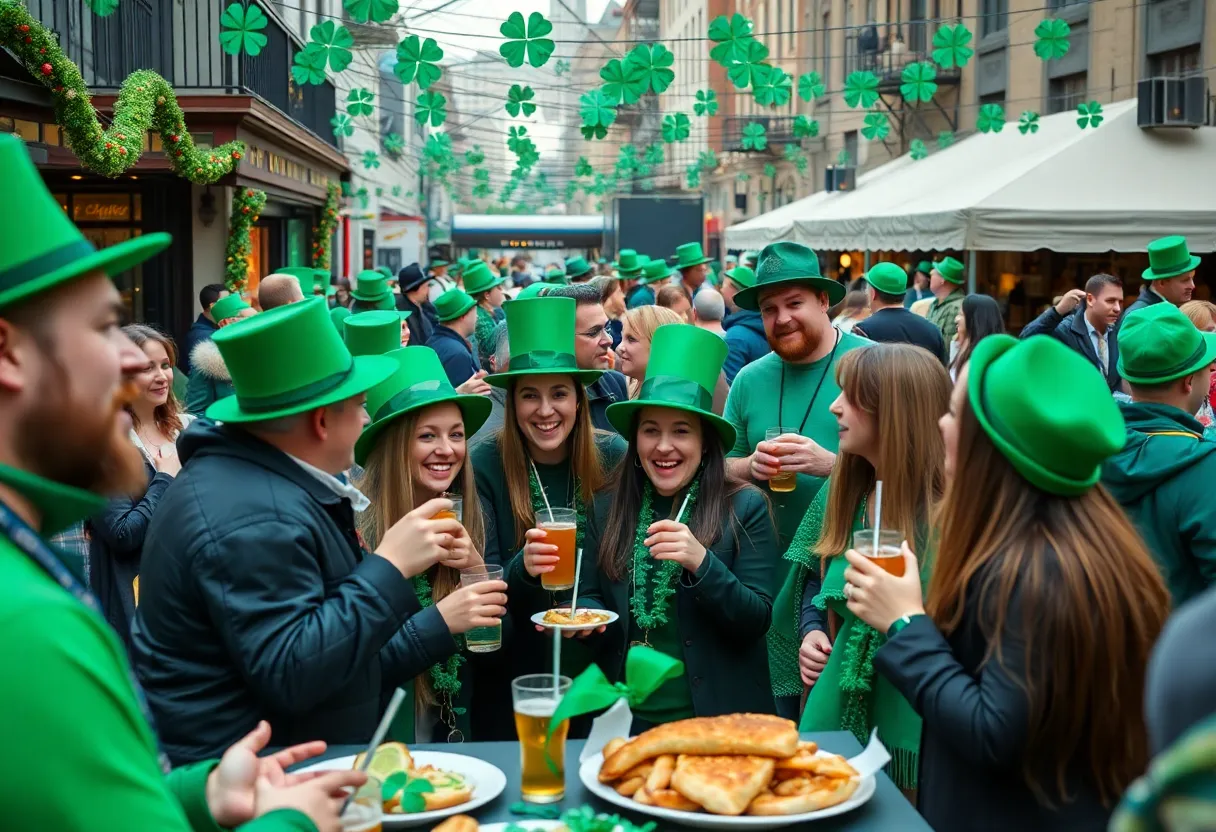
(628, 788)
(642, 796)
(672, 799)
(613, 745)
(660, 776)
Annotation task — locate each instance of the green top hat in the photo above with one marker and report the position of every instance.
(370, 286)
(888, 278)
(924, 267)
(459, 266)
(540, 332)
(306, 276)
(338, 316)
(950, 269)
(685, 363)
(44, 247)
(689, 255)
(630, 263)
(787, 264)
(1046, 410)
(418, 381)
(532, 290)
(556, 277)
(479, 278)
(229, 306)
(742, 276)
(452, 304)
(372, 333)
(1169, 257)
(1159, 344)
(654, 271)
(752, 257)
(290, 360)
(577, 267)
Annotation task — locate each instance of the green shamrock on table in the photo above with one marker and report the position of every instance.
(519, 100)
(418, 60)
(810, 86)
(749, 59)
(526, 40)
(597, 113)
(1051, 38)
(656, 61)
(624, 81)
(431, 107)
(861, 89)
(1089, 115)
(676, 127)
(991, 119)
(755, 136)
(771, 86)
(240, 29)
(408, 790)
(1028, 123)
(805, 127)
(876, 126)
(707, 103)
(731, 36)
(359, 102)
(950, 47)
(343, 125)
(918, 150)
(363, 11)
(919, 82)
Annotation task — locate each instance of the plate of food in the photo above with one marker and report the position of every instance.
(423, 787)
(585, 819)
(585, 619)
(748, 771)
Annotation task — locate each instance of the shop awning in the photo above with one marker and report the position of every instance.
(1112, 188)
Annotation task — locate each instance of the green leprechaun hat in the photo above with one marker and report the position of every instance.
(45, 248)
(689, 255)
(479, 278)
(629, 264)
(290, 360)
(452, 304)
(372, 333)
(1169, 257)
(685, 363)
(741, 276)
(888, 278)
(924, 267)
(438, 264)
(532, 290)
(1046, 410)
(307, 277)
(950, 269)
(418, 381)
(229, 306)
(556, 277)
(1159, 344)
(370, 286)
(540, 332)
(577, 267)
(338, 316)
(787, 264)
(654, 271)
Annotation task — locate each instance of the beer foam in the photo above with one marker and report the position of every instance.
(536, 707)
(558, 527)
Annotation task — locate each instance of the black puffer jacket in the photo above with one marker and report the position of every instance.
(258, 602)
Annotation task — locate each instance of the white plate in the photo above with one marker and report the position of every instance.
(488, 783)
(539, 619)
(528, 825)
(589, 773)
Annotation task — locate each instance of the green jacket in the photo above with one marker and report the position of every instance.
(1162, 478)
(943, 312)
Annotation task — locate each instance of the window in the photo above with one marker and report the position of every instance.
(1059, 4)
(1176, 64)
(993, 98)
(793, 26)
(780, 23)
(826, 50)
(1067, 93)
(994, 16)
(850, 147)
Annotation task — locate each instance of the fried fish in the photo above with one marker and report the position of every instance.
(723, 785)
(793, 797)
(761, 735)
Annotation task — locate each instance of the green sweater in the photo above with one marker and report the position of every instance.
(943, 312)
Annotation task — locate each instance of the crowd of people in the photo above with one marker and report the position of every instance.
(187, 584)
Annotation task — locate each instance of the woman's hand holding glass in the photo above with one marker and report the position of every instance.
(876, 596)
(539, 557)
(476, 605)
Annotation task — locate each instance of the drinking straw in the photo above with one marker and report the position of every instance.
(541, 486)
(877, 514)
(578, 568)
(557, 664)
(683, 506)
(378, 737)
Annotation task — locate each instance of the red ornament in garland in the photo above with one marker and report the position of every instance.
(108, 145)
(236, 154)
(23, 28)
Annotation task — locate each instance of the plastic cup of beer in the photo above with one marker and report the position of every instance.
(786, 481)
(365, 810)
(535, 699)
(561, 529)
(456, 512)
(889, 555)
(482, 639)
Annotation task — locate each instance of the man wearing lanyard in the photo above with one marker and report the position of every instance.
(80, 752)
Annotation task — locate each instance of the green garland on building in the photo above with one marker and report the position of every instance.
(145, 102)
(247, 205)
(323, 233)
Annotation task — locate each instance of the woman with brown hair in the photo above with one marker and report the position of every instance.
(1027, 658)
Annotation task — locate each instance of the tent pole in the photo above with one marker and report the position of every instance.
(865, 262)
(971, 272)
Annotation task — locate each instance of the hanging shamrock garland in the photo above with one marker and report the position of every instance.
(1089, 114)
(805, 127)
(360, 102)
(597, 113)
(876, 126)
(102, 8)
(919, 82)
(1051, 39)
(1028, 123)
(950, 46)
(771, 86)
(240, 30)
(991, 119)
(418, 60)
(810, 86)
(755, 136)
(944, 139)
(676, 127)
(918, 150)
(624, 81)
(707, 103)
(519, 100)
(247, 205)
(365, 11)
(323, 232)
(431, 107)
(732, 35)
(526, 40)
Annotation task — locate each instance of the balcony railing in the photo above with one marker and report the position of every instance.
(779, 131)
(887, 49)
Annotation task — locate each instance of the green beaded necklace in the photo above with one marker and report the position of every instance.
(662, 583)
(445, 678)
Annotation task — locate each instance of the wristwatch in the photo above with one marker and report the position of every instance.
(901, 622)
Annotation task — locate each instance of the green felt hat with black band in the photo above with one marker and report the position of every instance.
(1169, 257)
(888, 278)
(290, 360)
(924, 267)
(741, 276)
(1159, 344)
(371, 286)
(787, 264)
(654, 271)
(577, 267)
(1046, 409)
(452, 304)
(689, 255)
(629, 264)
(372, 333)
(556, 277)
(44, 247)
(540, 332)
(951, 270)
(229, 306)
(418, 381)
(479, 278)
(685, 364)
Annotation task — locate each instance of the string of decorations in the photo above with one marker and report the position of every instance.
(247, 205)
(323, 232)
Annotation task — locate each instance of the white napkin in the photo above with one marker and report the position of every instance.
(872, 758)
(612, 723)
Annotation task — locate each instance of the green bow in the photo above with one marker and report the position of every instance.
(646, 669)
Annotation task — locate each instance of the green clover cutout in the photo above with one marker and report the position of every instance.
(438, 147)
(431, 107)
(102, 8)
(597, 113)
(945, 139)
(676, 127)
(517, 138)
(1028, 123)
(396, 190)
(359, 102)
(624, 81)
(335, 43)
(743, 176)
(810, 86)
(371, 159)
(410, 789)
(861, 89)
(991, 119)
(519, 100)
(526, 40)
(343, 125)
(1051, 39)
(755, 136)
(707, 160)
(731, 36)
(475, 156)
(770, 170)
(919, 82)
(656, 61)
(481, 175)
(805, 127)
(950, 47)
(362, 195)
(791, 152)
(742, 69)
(693, 173)
(309, 65)
(418, 59)
(1089, 115)
(918, 150)
(583, 167)
(363, 11)
(771, 87)
(239, 32)
(561, 67)
(393, 145)
(707, 103)
(654, 154)
(876, 126)
(481, 190)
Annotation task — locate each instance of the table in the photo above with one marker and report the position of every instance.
(887, 810)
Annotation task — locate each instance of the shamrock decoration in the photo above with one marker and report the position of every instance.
(362, 11)
(359, 102)
(1051, 38)
(944, 139)
(950, 47)
(654, 154)
(991, 119)
(309, 66)
(334, 42)
(1089, 115)
(102, 8)
(239, 30)
(561, 67)
(919, 82)
(655, 61)
(396, 190)
(861, 89)
(418, 59)
(707, 103)
(409, 789)
(731, 36)
(805, 127)
(393, 145)
(597, 112)
(432, 107)
(624, 81)
(519, 99)
(693, 172)
(1028, 123)
(770, 170)
(771, 86)
(843, 159)
(343, 125)
(517, 139)
(676, 127)
(583, 167)
(755, 136)
(877, 126)
(371, 159)
(526, 40)
(707, 160)
(475, 156)
(438, 147)
(743, 176)
(750, 57)
(918, 150)
(810, 86)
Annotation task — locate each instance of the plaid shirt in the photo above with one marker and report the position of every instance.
(74, 543)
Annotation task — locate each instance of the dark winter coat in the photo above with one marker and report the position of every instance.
(896, 325)
(457, 355)
(201, 330)
(745, 341)
(1070, 330)
(210, 380)
(1147, 297)
(422, 322)
(640, 296)
(610, 387)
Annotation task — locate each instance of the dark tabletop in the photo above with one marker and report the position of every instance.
(886, 811)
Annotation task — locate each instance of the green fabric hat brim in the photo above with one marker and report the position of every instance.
(113, 261)
(621, 416)
(682, 266)
(503, 381)
(627, 274)
(646, 280)
(469, 304)
(587, 270)
(439, 264)
(367, 372)
(1202, 359)
(498, 281)
(357, 295)
(749, 298)
(1191, 265)
(474, 409)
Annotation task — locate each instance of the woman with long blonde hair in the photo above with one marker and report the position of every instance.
(637, 331)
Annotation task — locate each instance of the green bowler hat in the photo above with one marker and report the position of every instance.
(556, 277)
(418, 381)
(577, 267)
(742, 276)
(540, 333)
(452, 304)
(479, 278)
(787, 264)
(44, 247)
(1046, 409)
(370, 286)
(888, 278)
(532, 290)
(629, 264)
(1159, 344)
(654, 271)
(290, 360)
(924, 267)
(229, 306)
(950, 269)
(338, 316)
(689, 255)
(372, 333)
(685, 363)
(1169, 257)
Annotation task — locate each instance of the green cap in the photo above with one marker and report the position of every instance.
(924, 267)
(540, 332)
(532, 290)
(371, 286)
(439, 264)
(787, 264)
(418, 381)
(452, 304)
(689, 255)
(654, 271)
(888, 278)
(1159, 344)
(577, 267)
(1046, 409)
(1169, 257)
(479, 278)
(290, 360)
(229, 306)
(752, 257)
(950, 269)
(742, 276)
(306, 276)
(372, 333)
(556, 277)
(629, 263)
(338, 316)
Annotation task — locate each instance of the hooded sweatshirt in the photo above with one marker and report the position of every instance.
(1162, 478)
(745, 341)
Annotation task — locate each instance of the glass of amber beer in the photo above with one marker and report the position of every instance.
(560, 526)
(787, 480)
(889, 555)
(535, 699)
(456, 512)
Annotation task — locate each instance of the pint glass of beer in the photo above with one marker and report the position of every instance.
(785, 481)
(365, 809)
(456, 512)
(888, 555)
(535, 699)
(482, 639)
(561, 530)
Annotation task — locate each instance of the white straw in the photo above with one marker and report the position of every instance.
(877, 514)
(385, 721)
(557, 664)
(683, 505)
(541, 486)
(578, 568)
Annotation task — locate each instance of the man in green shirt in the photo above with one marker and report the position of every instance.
(946, 284)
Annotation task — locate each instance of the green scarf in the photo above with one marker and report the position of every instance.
(483, 334)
